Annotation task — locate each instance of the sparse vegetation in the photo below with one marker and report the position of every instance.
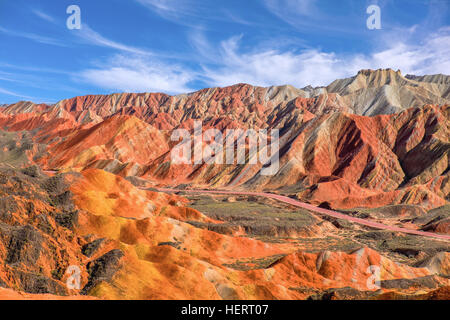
(253, 216)
(255, 263)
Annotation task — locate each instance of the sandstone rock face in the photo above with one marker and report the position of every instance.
(77, 178)
(139, 244)
(30, 226)
(386, 91)
(333, 145)
(161, 256)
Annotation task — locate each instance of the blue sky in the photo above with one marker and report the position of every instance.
(177, 46)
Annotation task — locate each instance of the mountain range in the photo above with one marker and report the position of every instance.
(374, 139)
(80, 179)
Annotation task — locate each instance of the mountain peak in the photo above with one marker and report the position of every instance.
(369, 72)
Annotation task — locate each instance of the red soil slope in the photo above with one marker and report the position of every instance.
(341, 158)
(133, 243)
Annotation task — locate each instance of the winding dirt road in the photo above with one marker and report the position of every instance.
(317, 210)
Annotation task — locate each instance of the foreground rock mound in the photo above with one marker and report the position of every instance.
(79, 185)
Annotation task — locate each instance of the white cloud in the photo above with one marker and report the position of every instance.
(188, 13)
(270, 66)
(162, 5)
(293, 7)
(308, 16)
(93, 37)
(228, 65)
(173, 10)
(33, 69)
(136, 74)
(316, 17)
(205, 51)
(86, 33)
(21, 96)
(426, 57)
(10, 93)
(44, 16)
(33, 37)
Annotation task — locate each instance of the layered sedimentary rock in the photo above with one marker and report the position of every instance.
(137, 244)
(387, 91)
(75, 178)
(336, 144)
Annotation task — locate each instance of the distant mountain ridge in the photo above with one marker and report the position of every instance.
(80, 186)
(370, 92)
(373, 139)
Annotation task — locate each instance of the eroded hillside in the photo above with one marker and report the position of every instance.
(81, 185)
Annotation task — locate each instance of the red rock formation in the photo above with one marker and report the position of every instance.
(345, 159)
(157, 247)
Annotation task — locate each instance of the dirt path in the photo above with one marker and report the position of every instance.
(318, 210)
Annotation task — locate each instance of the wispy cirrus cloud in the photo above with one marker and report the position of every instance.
(191, 13)
(92, 37)
(310, 15)
(165, 5)
(86, 34)
(40, 78)
(263, 61)
(10, 77)
(34, 37)
(271, 66)
(134, 73)
(229, 64)
(33, 68)
(2, 90)
(44, 15)
(173, 10)
(22, 96)
(427, 56)
(295, 7)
